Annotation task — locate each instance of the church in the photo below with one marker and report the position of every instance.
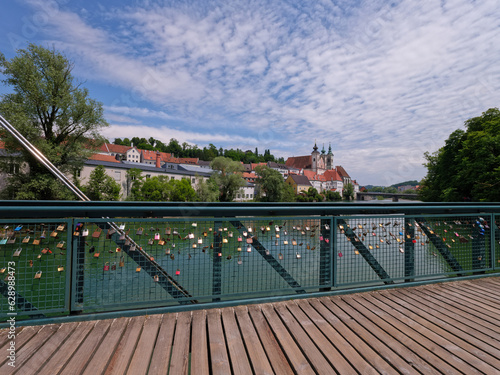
(317, 162)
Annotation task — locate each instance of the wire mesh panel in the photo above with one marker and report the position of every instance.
(34, 261)
(496, 239)
(161, 262)
(377, 250)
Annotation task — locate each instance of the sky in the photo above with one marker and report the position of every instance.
(383, 82)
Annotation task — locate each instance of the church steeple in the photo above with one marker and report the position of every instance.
(315, 148)
(330, 149)
(323, 150)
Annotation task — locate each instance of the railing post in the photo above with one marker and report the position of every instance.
(478, 245)
(409, 249)
(77, 252)
(325, 256)
(217, 262)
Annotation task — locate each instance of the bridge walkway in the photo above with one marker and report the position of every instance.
(451, 327)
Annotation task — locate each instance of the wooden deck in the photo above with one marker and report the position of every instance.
(443, 328)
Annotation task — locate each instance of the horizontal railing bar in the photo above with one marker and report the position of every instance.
(52, 209)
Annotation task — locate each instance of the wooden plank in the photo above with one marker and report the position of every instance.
(99, 361)
(45, 352)
(61, 357)
(460, 307)
(35, 343)
(235, 346)
(450, 343)
(447, 323)
(163, 347)
(258, 359)
(217, 344)
(179, 362)
(379, 340)
(325, 347)
(459, 317)
(139, 363)
(293, 353)
(271, 347)
(82, 356)
(488, 297)
(22, 337)
(121, 359)
(415, 341)
(346, 341)
(199, 343)
(459, 338)
(472, 301)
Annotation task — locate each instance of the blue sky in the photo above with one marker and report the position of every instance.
(383, 82)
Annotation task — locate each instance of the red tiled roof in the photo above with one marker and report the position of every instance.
(188, 160)
(117, 149)
(341, 171)
(310, 174)
(301, 162)
(255, 165)
(102, 157)
(332, 174)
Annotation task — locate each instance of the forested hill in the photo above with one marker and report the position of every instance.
(185, 150)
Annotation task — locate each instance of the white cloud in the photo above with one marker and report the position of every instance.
(374, 79)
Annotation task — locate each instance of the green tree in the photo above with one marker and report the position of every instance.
(102, 187)
(207, 190)
(270, 184)
(54, 113)
(181, 191)
(333, 196)
(348, 192)
(288, 193)
(228, 177)
(467, 167)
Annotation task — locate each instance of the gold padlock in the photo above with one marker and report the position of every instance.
(60, 268)
(38, 274)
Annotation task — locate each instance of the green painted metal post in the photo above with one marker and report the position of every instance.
(325, 255)
(217, 262)
(409, 249)
(479, 232)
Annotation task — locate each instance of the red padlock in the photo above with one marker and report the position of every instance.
(177, 272)
(106, 266)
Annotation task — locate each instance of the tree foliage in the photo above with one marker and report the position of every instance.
(160, 189)
(467, 167)
(207, 190)
(227, 177)
(348, 192)
(102, 187)
(270, 184)
(54, 113)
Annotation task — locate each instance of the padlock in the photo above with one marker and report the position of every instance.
(168, 231)
(200, 240)
(121, 227)
(177, 272)
(224, 240)
(26, 239)
(31, 263)
(132, 247)
(38, 275)
(156, 278)
(85, 233)
(3, 269)
(3, 241)
(61, 227)
(240, 239)
(138, 269)
(194, 224)
(17, 252)
(172, 256)
(157, 236)
(60, 245)
(122, 261)
(97, 233)
(249, 249)
(113, 266)
(151, 241)
(240, 261)
(139, 231)
(43, 235)
(285, 242)
(294, 243)
(60, 268)
(96, 255)
(238, 249)
(280, 256)
(18, 228)
(161, 242)
(249, 240)
(54, 234)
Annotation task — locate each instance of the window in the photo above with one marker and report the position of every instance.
(247, 195)
(118, 176)
(13, 168)
(148, 176)
(193, 180)
(238, 195)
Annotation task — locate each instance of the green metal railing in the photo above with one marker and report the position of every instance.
(183, 256)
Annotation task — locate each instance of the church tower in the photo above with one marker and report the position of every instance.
(329, 158)
(315, 157)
